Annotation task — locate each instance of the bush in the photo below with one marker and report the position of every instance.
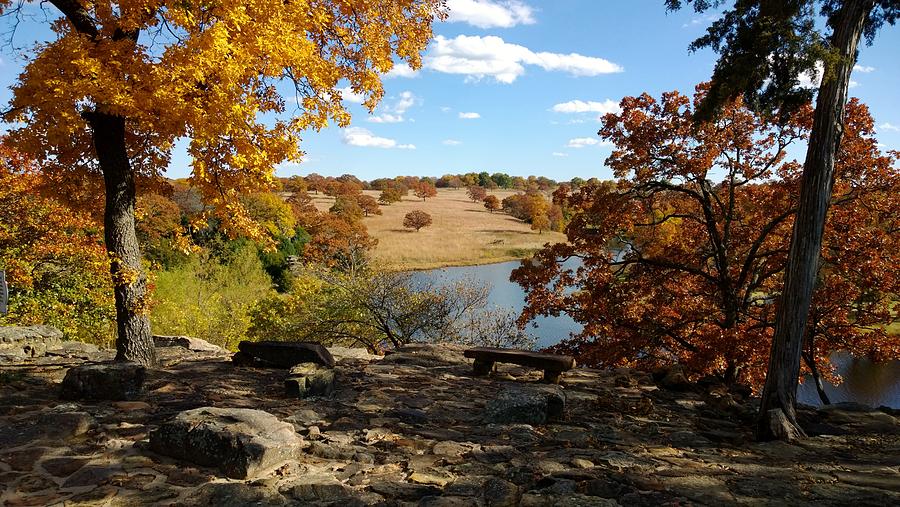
(210, 299)
(374, 310)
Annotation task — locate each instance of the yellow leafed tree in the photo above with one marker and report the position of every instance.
(103, 103)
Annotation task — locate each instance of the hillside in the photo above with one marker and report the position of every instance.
(463, 232)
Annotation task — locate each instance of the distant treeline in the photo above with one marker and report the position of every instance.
(331, 185)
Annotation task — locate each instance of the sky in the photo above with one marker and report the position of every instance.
(517, 86)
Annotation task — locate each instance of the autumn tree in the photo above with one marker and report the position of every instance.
(389, 196)
(416, 219)
(540, 223)
(765, 48)
(119, 83)
(53, 256)
(316, 183)
(491, 203)
(159, 228)
(347, 207)
(476, 193)
(425, 189)
(681, 259)
(368, 204)
(338, 242)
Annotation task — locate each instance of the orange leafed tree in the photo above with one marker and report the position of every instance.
(424, 190)
(682, 260)
(103, 103)
(416, 219)
(491, 203)
(53, 257)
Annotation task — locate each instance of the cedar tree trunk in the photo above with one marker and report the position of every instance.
(777, 415)
(133, 340)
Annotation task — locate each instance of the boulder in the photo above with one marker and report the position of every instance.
(187, 342)
(672, 378)
(287, 354)
(28, 341)
(309, 379)
(242, 443)
(117, 381)
(526, 405)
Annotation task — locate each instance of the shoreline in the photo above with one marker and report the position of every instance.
(449, 264)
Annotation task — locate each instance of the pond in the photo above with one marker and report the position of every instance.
(864, 382)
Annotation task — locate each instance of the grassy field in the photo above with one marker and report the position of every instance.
(462, 233)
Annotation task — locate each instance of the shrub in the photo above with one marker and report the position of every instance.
(210, 299)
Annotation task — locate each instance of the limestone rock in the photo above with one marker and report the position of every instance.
(28, 341)
(241, 442)
(527, 405)
(321, 487)
(187, 342)
(116, 381)
(288, 354)
(309, 379)
(353, 353)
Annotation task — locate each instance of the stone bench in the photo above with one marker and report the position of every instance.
(552, 364)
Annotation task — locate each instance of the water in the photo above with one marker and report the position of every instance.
(864, 382)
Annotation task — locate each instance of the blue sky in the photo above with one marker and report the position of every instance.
(517, 86)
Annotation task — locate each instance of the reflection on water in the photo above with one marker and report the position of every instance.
(505, 294)
(864, 382)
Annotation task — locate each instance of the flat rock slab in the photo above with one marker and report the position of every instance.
(117, 381)
(187, 342)
(241, 442)
(526, 405)
(288, 354)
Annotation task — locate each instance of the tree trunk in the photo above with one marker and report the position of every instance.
(133, 340)
(810, 361)
(780, 391)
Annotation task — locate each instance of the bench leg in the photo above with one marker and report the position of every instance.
(482, 367)
(552, 376)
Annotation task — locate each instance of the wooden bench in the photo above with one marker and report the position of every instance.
(552, 364)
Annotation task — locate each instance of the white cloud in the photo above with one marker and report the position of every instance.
(477, 57)
(889, 126)
(386, 118)
(581, 142)
(451, 142)
(704, 19)
(863, 69)
(401, 70)
(445, 109)
(349, 95)
(490, 13)
(395, 108)
(560, 154)
(581, 106)
(405, 101)
(469, 116)
(356, 136)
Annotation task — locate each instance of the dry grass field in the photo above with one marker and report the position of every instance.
(462, 232)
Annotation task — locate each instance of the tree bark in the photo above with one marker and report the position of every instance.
(133, 340)
(810, 361)
(780, 391)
